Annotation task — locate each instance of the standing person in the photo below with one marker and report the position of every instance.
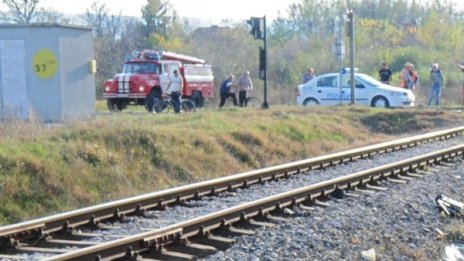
(309, 75)
(174, 90)
(385, 74)
(436, 77)
(412, 78)
(404, 76)
(226, 91)
(245, 86)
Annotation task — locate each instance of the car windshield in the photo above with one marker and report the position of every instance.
(368, 80)
(144, 68)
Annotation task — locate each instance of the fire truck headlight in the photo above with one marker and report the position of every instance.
(142, 88)
(107, 88)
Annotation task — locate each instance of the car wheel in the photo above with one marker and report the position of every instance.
(380, 102)
(310, 102)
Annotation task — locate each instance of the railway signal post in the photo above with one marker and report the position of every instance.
(258, 30)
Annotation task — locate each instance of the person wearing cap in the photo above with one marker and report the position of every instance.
(385, 74)
(436, 77)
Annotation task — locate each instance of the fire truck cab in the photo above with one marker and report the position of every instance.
(147, 75)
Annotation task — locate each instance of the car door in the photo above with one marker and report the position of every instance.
(327, 91)
(362, 94)
(361, 91)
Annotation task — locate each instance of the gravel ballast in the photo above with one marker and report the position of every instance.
(399, 224)
(208, 205)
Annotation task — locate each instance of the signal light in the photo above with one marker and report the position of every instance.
(255, 24)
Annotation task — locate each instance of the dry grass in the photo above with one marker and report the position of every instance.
(46, 169)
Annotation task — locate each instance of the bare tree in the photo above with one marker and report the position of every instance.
(20, 11)
(50, 16)
(97, 16)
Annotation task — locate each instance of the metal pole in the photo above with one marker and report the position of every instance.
(265, 104)
(353, 84)
(339, 56)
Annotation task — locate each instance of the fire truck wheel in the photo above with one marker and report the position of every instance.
(121, 105)
(197, 99)
(111, 104)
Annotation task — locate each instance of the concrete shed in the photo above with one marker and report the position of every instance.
(47, 71)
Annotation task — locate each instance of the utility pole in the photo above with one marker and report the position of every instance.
(339, 50)
(259, 32)
(265, 104)
(351, 36)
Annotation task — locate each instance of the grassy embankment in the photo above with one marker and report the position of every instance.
(46, 169)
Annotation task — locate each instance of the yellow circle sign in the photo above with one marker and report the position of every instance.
(45, 64)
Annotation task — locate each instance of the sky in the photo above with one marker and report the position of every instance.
(211, 10)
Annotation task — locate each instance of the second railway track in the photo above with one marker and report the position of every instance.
(48, 234)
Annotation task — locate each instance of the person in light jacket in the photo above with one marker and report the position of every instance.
(245, 85)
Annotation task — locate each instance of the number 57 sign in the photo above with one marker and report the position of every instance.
(45, 64)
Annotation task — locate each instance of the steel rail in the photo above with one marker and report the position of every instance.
(138, 204)
(157, 239)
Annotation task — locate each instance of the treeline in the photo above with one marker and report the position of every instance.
(394, 31)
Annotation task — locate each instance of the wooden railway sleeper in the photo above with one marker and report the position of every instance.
(216, 241)
(415, 175)
(404, 177)
(194, 249)
(375, 187)
(165, 254)
(446, 164)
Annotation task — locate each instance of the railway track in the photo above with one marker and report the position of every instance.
(50, 234)
(197, 236)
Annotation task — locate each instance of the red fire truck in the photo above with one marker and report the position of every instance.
(148, 73)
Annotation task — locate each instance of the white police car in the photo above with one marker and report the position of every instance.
(325, 90)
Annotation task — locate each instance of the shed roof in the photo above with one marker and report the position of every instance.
(48, 25)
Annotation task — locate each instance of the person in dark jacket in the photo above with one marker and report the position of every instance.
(226, 91)
(385, 74)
